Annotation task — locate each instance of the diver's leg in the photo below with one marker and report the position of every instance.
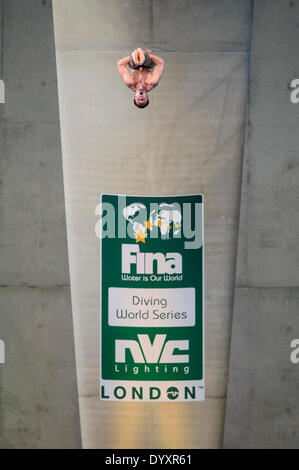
(148, 63)
(134, 62)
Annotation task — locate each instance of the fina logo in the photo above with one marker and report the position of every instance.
(171, 263)
(145, 351)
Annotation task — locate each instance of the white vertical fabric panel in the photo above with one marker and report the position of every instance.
(188, 140)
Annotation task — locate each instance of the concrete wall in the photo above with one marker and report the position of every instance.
(38, 389)
(262, 408)
(190, 139)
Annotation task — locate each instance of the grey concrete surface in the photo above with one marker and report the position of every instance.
(262, 408)
(29, 62)
(168, 25)
(270, 190)
(188, 140)
(262, 404)
(38, 399)
(32, 237)
(269, 255)
(211, 26)
(38, 389)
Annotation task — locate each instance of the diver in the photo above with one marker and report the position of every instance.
(146, 72)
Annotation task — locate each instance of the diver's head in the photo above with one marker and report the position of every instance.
(141, 98)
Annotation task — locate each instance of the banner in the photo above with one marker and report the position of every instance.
(152, 334)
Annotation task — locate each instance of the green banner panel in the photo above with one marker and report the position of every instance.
(152, 334)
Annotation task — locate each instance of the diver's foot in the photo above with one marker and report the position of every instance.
(138, 56)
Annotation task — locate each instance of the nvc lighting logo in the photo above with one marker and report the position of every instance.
(160, 350)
